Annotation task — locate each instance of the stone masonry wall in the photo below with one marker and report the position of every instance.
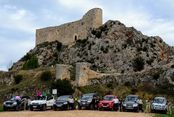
(62, 71)
(70, 32)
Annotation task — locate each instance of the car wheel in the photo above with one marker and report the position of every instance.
(44, 108)
(16, 108)
(165, 112)
(4, 108)
(31, 108)
(79, 107)
(54, 108)
(91, 107)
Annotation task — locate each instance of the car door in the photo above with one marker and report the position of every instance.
(50, 101)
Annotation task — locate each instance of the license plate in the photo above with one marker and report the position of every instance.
(105, 106)
(34, 106)
(59, 105)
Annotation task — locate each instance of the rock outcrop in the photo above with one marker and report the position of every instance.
(111, 48)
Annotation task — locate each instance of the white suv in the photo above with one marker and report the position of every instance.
(159, 104)
(42, 103)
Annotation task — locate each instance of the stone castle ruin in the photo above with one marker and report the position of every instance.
(70, 32)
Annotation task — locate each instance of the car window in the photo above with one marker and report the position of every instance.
(64, 98)
(87, 97)
(159, 100)
(50, 98)
(109, 98)
(131, 98)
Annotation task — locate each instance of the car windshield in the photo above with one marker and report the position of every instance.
(64, 98)
(158, 100)
(86, 97)
(15, 99)
(131, 98)
(41, 98)
(109, 98)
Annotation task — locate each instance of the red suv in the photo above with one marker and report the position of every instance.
(109, 102)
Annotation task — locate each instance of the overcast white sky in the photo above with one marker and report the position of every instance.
(20, 18)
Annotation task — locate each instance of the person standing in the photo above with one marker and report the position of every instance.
(116, 103)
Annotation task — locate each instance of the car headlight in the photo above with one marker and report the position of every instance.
(4, 103)
(78, 101)
(65, 103)
(135, 105)
(14, 103)
(124, 104)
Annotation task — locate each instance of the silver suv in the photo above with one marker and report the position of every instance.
(159, 104)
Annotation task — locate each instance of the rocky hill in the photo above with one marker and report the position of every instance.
(113, 47)
(125, 56)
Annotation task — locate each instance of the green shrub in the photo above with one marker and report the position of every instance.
(27, 57)
(138, 64)
(18, 79)
(45, 76)
(97, 33)
(1, 108)
(63, 87)
(31, 63)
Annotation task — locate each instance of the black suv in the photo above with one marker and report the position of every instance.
(16, 104)
(88, 101)
(131, 102)
(65, 102)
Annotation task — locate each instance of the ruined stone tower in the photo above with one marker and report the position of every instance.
(70, 32)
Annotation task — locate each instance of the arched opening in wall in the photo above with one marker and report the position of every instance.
(75, 37)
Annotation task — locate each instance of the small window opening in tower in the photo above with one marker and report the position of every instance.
(75, 37)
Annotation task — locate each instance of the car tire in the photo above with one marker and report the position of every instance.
(79, 107)
(16, 108)
(4, 108)
(31, 108)
(55, 108)
(91, 107)
(44, 108)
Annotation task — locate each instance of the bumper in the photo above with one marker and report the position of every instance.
(36, 106)
(130, 108)
(61, 106)
(10, 107)
(84, 104)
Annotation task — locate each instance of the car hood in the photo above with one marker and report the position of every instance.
(60, 101)
(158, 104)
(38, 101)
(106, 101)
(10, 101)
(129, 102)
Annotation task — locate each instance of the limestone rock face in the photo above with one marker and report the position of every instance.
(111, 48)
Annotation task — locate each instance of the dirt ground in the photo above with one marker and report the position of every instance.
(83, 113)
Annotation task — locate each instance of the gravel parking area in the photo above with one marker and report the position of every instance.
(76, 113)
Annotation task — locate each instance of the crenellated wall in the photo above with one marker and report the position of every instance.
(70, 32)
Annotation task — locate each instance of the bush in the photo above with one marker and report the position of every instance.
(1, 108)
(138, 64)
(63, 87)
(18, 79)
(45, 76)
(31, 63)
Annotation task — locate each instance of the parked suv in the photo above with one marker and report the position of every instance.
(131, 103)
(16, 103)
(42, 103)
(65, 102)
(159, 104)
(109, 102)
(88, 101)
